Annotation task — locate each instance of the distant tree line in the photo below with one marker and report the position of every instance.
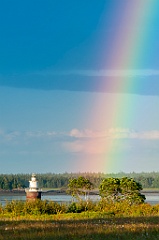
(52, 180)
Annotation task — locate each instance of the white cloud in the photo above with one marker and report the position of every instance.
(39, 134)
(94, 146)
(149, 135)
(115, 133)
(86, 133)
(76, 140)
(109, 72)
(100, 142)
(19, 136)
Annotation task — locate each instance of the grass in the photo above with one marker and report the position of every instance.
(118, 221)
(125, 228)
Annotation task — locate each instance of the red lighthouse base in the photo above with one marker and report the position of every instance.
(33, 195)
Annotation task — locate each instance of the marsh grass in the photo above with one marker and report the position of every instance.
(47, 220)
(140, 228)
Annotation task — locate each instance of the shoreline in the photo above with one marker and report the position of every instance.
(49, 192)
(61, 192)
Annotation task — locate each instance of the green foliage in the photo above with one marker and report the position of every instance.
(130, 190)
(110, 188)
(72, 208)
(75, 208)
(14, 207)
(52, 180)
(44, 209)
(120, 209)
(82, 206)
(80, 186)
(36, 207)
(127, 189)
(101, 208)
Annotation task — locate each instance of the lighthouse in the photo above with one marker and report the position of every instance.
(33, 192)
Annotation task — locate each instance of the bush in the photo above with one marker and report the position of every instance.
(34, 207)
(14, 207)
(119, 209)
(55, 208)
(82, 206)
(76, 208)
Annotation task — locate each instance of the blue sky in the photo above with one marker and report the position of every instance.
(52, 79)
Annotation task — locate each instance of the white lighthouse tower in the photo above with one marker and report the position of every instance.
(33, 192)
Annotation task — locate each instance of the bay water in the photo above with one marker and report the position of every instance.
(151, 198)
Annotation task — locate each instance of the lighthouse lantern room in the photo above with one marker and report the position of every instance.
(33, 184)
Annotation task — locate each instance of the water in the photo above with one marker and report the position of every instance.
(9, 198)
(66, 198)
(151, 198)
(55, 198)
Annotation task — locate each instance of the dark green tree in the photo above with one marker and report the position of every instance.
(115, 189)
(130, 190)
(109, 189)
(80, 186)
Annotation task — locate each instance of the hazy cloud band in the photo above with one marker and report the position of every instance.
(144, 81)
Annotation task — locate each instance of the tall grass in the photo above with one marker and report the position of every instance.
(130, 228)
(82, 220)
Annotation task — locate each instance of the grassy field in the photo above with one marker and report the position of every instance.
(79, 226)
(101, 220)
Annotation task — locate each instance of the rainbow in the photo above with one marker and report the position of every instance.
(122, 50)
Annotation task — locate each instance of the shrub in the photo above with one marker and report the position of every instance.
(14, 207)
(36, 207)
(55, 208)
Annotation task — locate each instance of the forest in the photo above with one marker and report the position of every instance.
(53, 180)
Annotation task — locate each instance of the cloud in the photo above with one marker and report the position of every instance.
(76, 134)
(115, 133)
(39, 134)
(100, 142)
(115, 72)
(133, 81)
(77, 141)
(150, 135)
(86, 147)
(85, 134)
(131, 134)
(19, 136)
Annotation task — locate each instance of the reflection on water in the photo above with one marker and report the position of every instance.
(150, 198)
